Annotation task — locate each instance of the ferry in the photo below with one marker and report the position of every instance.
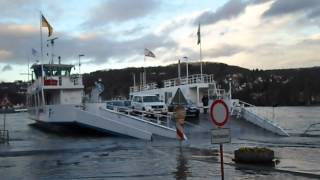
(56, 97)
(194, 87)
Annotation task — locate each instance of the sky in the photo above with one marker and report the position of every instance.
(112, 34)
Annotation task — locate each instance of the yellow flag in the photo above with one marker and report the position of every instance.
(45, 23)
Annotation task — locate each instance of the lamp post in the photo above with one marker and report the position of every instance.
(187, 68)
(80, 55)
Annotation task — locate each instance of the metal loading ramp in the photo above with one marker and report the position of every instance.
(246, 111)
(119, 123)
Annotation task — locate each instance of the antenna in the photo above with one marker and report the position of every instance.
(187, 68)
(52, 47)
(80, 55)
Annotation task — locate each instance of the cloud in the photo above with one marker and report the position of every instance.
(254, 2)
(28, 9)
(120, 11)
(229, 10)
(6, 68)
(102, 50)
(17, 41)
(283, 7)
(5, 54)
(232, 9)
(134, 30)
(237, 33)
(224, 50)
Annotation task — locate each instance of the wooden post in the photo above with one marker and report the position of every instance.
(180, 115)
(221, 161)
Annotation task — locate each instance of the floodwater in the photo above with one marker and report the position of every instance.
(77, 153)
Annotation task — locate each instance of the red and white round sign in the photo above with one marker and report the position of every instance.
(219, 112)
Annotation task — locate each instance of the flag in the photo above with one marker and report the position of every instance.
(34, 52)
(147, 52)
(45, 23)
(198, 34)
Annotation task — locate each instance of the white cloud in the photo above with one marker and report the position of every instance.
(243, 36)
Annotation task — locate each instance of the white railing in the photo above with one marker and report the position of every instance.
(192, 79)
(4, 136)
(313, 129)
(154, 118)
(264, 112)
(145, 87)
(261, 116)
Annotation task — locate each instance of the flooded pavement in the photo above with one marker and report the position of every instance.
(81, 154)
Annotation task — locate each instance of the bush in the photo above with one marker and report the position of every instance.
(254, 155)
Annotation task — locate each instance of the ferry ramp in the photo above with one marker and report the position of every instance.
(96, 116)
(249, 113)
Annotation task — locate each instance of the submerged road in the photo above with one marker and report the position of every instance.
(81, 154)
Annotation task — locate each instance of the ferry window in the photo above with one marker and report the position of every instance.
(127, 103)
(136, 99)
(116, 103)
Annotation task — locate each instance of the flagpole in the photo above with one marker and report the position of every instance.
(42, 73)
(144, 71)
(28, 69)
(200, 61)
(200, 54)
(41, 45)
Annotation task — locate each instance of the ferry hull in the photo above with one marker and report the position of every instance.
(96, 116)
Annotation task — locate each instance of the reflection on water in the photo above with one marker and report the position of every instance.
(182, 170)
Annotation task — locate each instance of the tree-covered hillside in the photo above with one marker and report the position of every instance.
(260, 87)
(283, 87)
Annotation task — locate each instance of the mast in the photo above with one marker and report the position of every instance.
(144, 71)
(200, 61)
(199, 43)
(42, 73)
(28, 68)
(187, 68)
(134, 79)
(41, 44)
(80, 55)
(179, 70)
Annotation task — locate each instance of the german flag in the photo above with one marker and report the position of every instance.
(45, 23)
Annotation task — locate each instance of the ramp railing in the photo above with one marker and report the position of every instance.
(257, 115)
(152, 117)
(4, 136)
(264, 112)
(313, 129)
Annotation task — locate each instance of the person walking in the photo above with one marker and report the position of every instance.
(205, 101)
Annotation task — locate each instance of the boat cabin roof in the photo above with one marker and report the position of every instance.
(52, 69)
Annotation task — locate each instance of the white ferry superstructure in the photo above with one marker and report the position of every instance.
(194, 87)
(56, 97)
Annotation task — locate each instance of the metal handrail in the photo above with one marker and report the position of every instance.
(160, 119)
(145, 87)
(264, 114)
(192, 79)
(4, 136)
(309, 129)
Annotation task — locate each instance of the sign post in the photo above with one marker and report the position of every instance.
(219, 114)
(180, 115)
